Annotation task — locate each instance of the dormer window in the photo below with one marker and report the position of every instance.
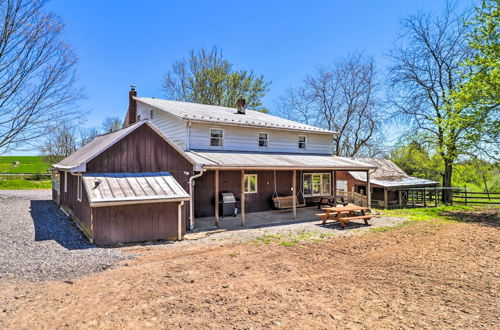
(216, 137)
(263, 140)
(302, 142)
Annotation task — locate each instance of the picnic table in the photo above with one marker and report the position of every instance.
(343, 214)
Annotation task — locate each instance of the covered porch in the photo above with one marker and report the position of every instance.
(258, 180)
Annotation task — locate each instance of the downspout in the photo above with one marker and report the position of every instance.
(179, 220)
(191, 204)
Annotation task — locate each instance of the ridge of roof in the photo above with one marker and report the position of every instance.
(199, 112)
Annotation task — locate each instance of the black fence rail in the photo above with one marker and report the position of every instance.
(472, 197)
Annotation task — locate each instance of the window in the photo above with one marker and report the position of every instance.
(56, 181)
(79, 188)
(263, 140)
(317, 184)
(302, 142)
(342, 185)
(250, 183)
(65, 181)
(216, 137)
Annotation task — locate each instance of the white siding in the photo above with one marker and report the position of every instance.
(246, 139)
(174, 128)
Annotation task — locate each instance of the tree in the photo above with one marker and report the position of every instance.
(60, 144)
(417, 161)
(87, 135)
(111, 124)
(206, 77)
(480, 86)
(342, 97)
(424, 73)
(37, 73)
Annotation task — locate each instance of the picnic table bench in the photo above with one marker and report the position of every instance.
(344, 214)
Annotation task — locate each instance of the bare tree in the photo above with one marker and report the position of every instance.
(111, 124)
(341, 97)
(61, 143)
(36, 73)
(87, 135)
(425, 71)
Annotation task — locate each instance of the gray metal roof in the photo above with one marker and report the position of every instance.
(268, 160)
(122, 188)
(389, 174)
(223, 115)
(95, 147)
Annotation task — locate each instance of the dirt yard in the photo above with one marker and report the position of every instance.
(426, 275)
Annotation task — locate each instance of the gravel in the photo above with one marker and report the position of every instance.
(38, 241)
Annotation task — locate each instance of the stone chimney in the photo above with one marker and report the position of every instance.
(132, 107)
(240, 106)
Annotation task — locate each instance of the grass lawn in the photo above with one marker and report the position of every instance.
(22, 184)
(28, 164)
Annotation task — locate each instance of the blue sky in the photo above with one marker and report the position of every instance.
(134, 42)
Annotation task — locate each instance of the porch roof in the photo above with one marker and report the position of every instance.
(268, 160)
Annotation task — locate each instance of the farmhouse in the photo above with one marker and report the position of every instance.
(390, 185)
(209, 161)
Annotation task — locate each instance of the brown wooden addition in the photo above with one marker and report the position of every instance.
(137, 182)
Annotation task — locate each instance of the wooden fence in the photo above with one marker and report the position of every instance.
(432, 197)
(472, 197)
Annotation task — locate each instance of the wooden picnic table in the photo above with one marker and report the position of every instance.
(343, 214)
(331, 200)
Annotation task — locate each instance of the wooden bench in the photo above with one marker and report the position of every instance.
(286, 202)
(344, 220)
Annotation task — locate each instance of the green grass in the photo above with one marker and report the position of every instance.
(22, 184)
(28, 164)
(423, 214)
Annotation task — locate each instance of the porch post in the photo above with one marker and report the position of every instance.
(385, 198)
(242, 197)
(217, 198)
(399, 197)
(368, 190)
(294, 199)
(334, 183)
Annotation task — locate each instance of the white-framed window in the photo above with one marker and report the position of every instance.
(250, 183)
(302, 142)
(342, 185)
(79, 188)
(56, 181)
(263, 140)
(317, 184)
(65, 181)
(216, 137)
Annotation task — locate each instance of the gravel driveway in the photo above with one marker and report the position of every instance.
(38, 242)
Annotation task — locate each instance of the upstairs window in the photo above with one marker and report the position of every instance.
(250, 183)
(302, 142)
(263, 140)
(216, 137)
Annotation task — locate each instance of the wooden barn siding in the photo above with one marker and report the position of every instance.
(144, 151)
(204, 191)
(80, 210)
(136, 223)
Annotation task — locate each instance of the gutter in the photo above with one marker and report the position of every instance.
(191, 205)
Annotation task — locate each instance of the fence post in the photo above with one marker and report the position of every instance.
(425, 197)
(465, 193)
(436, 197)
(413, 197)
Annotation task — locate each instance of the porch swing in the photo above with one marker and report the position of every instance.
(286, 202)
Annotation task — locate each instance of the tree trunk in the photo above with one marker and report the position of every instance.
(448, 172)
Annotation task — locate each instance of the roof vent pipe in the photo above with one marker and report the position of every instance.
(240, 106)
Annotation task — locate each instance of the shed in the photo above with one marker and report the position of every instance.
(125, 186)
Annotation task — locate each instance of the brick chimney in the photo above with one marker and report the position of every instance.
(240, 106)
(132, 107)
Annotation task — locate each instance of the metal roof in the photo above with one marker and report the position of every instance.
(229, 116)
(268, 160)
(389, 174)
(105, 189)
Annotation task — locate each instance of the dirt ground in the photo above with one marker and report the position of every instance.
(424, 275)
